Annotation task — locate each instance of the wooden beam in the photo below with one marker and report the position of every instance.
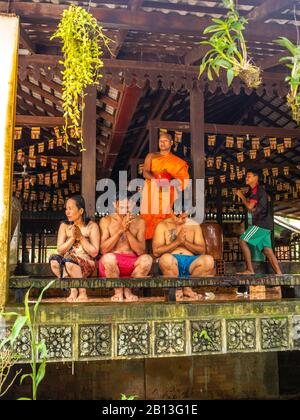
(196, 54)
(27, 108)
(147, 66)
(39, 121)
(43, 93)
(144, 21)
(153, 140)
(268, 8)
(26, 41)
(88, 174)
(122, 34)
(128, 104)
(154, 113)
(109, 101)
(271, 61)
(38, 102)
(50, 83)
(235, 130)
(106, 116)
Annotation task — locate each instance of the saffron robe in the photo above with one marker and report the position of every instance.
(157, 202)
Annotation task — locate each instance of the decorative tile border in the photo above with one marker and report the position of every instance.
(133, 339)
(240, 335)
(95, 341)
(58, 340)
(170, 338)
(274, 333)
(164, 338)
(296, 331)
(206, 336)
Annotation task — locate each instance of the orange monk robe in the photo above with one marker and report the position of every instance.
(157, 202)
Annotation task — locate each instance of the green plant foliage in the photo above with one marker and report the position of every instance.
(129, 397)
(28, 319)
(83, 41)
(202, 334)
(228, 49)
(293, 63)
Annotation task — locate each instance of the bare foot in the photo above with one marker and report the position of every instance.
(130, 296)
(179, 295)
(246, 273)
(72, 296)
(189, 293)
(118, 297)
(83, 297)
(210, 296)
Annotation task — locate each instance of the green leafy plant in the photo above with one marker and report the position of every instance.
(129, 397)
(83, 41)
(28, 320)
(228, 49)
(293, 63)
(202, 334)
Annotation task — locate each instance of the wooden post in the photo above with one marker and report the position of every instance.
(9, 43)
(197, 136)
(153, 139)
(33, 248)
(24, 243)
(88, 176)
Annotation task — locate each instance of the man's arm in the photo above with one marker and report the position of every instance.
(91, 245)
(108, 242)
(147, 167)
(198, 246)
(159, 244)
(249, 204)
(137, 243)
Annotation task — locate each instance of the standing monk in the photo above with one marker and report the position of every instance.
(259, 234)
(123, 248)
(157, 197)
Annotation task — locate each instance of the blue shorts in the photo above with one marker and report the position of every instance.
(184, 263)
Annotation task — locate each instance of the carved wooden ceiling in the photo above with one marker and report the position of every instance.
(157, 47)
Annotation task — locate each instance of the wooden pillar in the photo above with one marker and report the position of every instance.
(24, 247)
(153, 139)
(40, 248)
(88, 175)
(9, 43)
(32, 248)
(197, 135)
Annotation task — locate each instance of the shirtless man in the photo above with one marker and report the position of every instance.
(123, 248)
(179, 243)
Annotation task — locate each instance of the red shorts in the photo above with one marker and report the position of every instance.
(125, 263)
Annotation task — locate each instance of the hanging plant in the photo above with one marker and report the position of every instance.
(293, 97)
(83, 41)
(228, 49)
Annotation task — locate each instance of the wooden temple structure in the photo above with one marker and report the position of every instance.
(150, 83)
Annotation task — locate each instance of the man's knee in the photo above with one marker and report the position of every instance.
(268, 251)
(54, 265)
(208, 262)
(109, 260)
(205, 263)
(145, 262)
(166, 261)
